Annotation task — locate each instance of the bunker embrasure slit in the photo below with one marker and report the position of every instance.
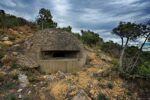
(59, 54)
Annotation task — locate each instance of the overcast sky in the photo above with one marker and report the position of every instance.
(98, 15)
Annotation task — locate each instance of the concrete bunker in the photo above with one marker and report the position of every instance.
(55, 50)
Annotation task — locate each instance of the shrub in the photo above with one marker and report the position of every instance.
(144, 69)
(102, 86)
(2, 75)
(113, 49)
(14, 64)
(102, 96)
(10, 85)
(12, 38)
(14, 74)
(10, 97)
(115, 65)
(99, 78)
(110, 85)
(90, 38)
(33, 78)
(28, 98)
(1, 55)
(129, 93)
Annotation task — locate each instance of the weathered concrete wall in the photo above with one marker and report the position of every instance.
(65, 65)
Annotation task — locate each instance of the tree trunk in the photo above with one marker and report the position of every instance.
(122, 55)
(147, 37)
(121, 41)
(42, 25)
(138, 56)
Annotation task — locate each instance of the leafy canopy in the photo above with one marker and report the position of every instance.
(44, 19)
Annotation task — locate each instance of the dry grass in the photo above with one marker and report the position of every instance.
(59, 89)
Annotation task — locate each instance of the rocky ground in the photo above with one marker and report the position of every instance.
(12, 36)
(95, 81)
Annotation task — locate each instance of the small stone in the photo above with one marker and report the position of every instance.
(92, 92)
(60, 75)
(5, 38)
(15, 53)
(19, 90)
(8, 42)
(29, 92)
(23, 80)
(51, 77)
(81, 96)
(20, 96)
(20, 32)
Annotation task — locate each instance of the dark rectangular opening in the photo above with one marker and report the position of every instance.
(58, 54)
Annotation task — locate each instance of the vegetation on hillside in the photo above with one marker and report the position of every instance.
(10, 21)
(100, 79)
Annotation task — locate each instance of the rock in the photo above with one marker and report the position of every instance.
(26, 62)
(20, 32)
(20, 96)
(29, 92)
(81, 96)
(105, 58)
(93, 94)
(15, 53)
(8, 42)
(16, 45)
(5, 38)
(19, 90)
(60, 75)
(23, 80)
(51, 77)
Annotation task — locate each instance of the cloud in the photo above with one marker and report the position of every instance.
(98, 15)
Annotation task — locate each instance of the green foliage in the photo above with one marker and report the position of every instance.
(28, 98)
(44, 19)
(144, 69)
(12, 37)
(14, 64)
(10, 85)
(68, 29)
(77, 35)
(10, 97)
(2, 76)
(9, 21)
(90, 38)
(131, 51)
(110, 85)
(102, 96)
(129, 93)
(115, 66)
(128, 30)
(111, 48)
(2, 55)
(33, 78)
(103, 86)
